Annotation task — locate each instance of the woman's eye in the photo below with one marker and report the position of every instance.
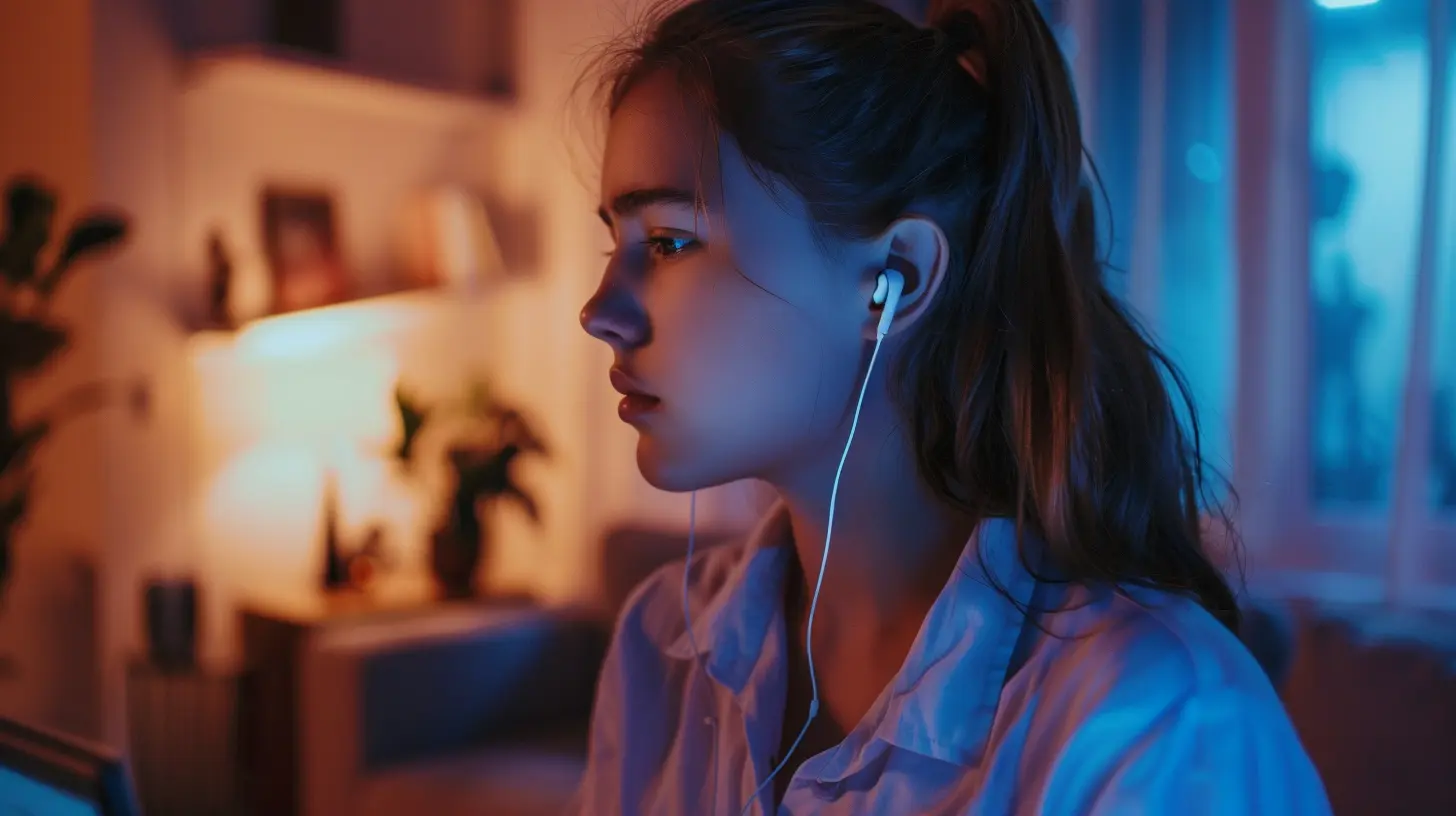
(669, 246)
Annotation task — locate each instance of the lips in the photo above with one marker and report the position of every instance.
(636, 401)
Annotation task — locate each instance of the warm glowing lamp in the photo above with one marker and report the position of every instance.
(279, 406)
(309, 380)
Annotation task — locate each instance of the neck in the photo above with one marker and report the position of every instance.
(894, 541)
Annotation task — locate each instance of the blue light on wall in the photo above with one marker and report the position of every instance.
(1344, 4)
(1203, 163)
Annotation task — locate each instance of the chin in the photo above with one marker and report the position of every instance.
(673, 472)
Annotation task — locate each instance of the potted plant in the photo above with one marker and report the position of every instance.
(31, 339)
(486, 437)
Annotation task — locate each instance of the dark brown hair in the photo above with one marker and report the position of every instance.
(1029, 390)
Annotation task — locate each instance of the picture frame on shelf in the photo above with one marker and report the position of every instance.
(301, 241)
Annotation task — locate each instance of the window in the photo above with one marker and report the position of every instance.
(1367, 148)
(1292, 262)
(1379, 358)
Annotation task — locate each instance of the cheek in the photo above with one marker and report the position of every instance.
(745, 367)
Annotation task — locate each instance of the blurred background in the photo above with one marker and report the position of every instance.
(314, 499)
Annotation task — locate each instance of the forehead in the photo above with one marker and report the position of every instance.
(658, 138)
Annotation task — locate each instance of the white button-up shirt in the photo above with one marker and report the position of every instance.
(1133, 702)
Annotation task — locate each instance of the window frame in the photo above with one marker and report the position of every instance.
(1400, 555)
(1403, 555)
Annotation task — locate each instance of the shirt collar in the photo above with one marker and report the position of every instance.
(733, 624)
(943, 700)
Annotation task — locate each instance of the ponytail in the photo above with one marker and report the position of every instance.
(1022, 249)
(1104, 472)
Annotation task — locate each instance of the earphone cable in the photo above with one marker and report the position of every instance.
(819, 583)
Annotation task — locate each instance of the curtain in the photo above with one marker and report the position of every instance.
(1280, 213)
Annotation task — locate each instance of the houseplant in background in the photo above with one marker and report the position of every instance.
(31, 339)
(483, 439)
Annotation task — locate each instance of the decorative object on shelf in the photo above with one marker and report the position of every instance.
(490, 436)
(336, 569)
(369, 559)
(301, 240)
(219, 282)
(30, 339)
(448, 240)
(171, 616)
(344, 567)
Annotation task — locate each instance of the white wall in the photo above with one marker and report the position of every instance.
(132, 128)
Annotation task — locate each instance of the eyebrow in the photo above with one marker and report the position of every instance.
(632, 201)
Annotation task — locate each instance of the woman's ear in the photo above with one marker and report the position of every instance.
(916, 247)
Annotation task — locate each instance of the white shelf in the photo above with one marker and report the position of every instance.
(258, 71)
(353, 322)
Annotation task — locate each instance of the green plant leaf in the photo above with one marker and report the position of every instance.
(412, 419)
(480, 400)
(30, 209)
(483, 472)
(521, 497)
(515, 429)
(89, 235)
(5, 541)
(12, 510)
(93, 233)
(17, 447)
(17, 265)
(27, 199)
(27, 343)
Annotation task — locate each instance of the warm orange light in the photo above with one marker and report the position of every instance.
(280, 403)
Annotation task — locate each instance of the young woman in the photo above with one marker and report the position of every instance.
(997, 600)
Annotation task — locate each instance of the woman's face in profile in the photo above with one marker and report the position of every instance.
(718, 302)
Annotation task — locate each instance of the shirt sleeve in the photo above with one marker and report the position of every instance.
(1216, 753)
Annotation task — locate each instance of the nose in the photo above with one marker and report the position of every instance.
(613, 316)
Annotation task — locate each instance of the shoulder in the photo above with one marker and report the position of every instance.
(1119, 666)
(1139, 685)
(1164, 645)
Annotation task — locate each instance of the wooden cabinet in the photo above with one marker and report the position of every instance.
(182, 738)
(277, 635)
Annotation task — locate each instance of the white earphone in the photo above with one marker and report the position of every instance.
(888, 287)
(889, 284)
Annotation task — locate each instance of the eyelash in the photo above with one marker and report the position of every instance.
(656, 245)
